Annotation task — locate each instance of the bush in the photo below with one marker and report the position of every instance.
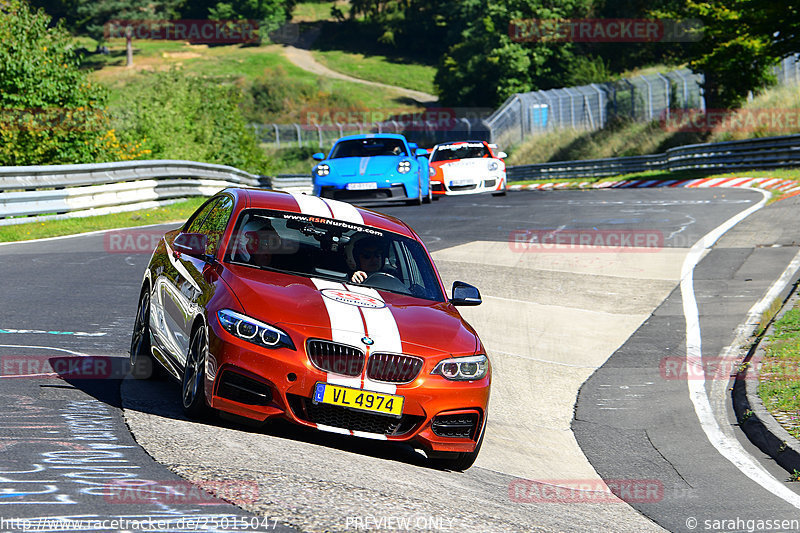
(49, 112)
(176, 116)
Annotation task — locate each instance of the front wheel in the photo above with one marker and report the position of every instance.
(458, 462)
(429, 198)
(193, 383)
(502, 192)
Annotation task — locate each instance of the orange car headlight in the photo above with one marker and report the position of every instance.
(463, 368)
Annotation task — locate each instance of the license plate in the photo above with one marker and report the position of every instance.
(456, 183)
(363, 400)
(361, 186)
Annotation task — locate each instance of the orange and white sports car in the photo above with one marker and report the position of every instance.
(467, 167)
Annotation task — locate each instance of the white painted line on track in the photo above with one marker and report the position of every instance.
(46, 374)
(728, 447)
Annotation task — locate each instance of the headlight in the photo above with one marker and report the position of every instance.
(404, 167)
(323, 170)
(254, 331)
(493, 165)
(463, 368)
(431, 171)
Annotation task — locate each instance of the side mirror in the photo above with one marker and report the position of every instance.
(465, 294)
(501, 155)
(193, 244)
(420, 152)
(413, 146)
(319, 156)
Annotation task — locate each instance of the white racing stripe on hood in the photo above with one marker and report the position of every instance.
(346, 327)
(382, 328)
(311, 205)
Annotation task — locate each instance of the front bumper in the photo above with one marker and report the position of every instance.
(259, 384)
(490, 183)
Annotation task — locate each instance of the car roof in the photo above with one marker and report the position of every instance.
(449, 143)
(322, 207)
(372, 136)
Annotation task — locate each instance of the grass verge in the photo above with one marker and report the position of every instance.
(779, 378)
(380, 69)
(178, 211)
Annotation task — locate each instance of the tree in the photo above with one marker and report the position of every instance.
(487, 65)
(736, 52)
(92, 16)
(49, 112)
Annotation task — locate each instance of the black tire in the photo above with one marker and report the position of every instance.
(503, 192)
(193, 394)
(458, 462)
(429, 198)
(143, 366)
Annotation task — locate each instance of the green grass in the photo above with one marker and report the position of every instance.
(379, 68)
(243, 65)
(178, 211)
(317, 11)
(779, 385)
(623, 137)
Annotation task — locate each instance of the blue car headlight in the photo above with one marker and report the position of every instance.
(463, 368)
(404, 167)
(252, 330)
(323, 169)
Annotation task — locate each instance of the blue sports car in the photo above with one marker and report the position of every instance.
(381, 167)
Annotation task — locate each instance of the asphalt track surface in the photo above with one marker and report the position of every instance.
(548, 321)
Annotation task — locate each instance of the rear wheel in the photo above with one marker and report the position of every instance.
(429, 198)
(143, 366)
(193, 383)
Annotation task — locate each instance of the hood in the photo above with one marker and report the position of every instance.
(366, 166)
(305, 306)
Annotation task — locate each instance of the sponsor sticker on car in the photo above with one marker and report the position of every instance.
(362, 400)
(361, 186)
(353, 298)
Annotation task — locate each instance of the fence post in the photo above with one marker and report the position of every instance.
(600, 104)
(649, 99)
(571, 108)
(319, 133)
(299, 135)
(666, 87)
(277, 135)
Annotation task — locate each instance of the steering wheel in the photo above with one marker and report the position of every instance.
(384, 280)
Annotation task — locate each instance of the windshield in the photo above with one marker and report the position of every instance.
(368, 148)
(319, 247)
(446, 152)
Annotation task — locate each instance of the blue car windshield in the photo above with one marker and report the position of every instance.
(368, 148)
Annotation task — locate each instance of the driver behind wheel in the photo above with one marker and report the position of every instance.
(369, 256)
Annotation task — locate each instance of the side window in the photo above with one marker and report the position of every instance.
(216, 221)
(200, 215)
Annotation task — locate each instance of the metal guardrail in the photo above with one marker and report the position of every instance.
(64, 191)
(766, 152)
